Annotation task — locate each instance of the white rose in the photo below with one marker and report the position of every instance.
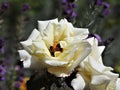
(58, 46)
(95, 75)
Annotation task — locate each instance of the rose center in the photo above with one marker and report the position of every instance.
(54, 48)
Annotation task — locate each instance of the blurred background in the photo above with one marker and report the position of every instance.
(19, 17)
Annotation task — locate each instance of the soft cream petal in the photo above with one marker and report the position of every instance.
(81, 53)
(59, 71)
(99, 82)
(41, 47)
(28, 43)
(96, 50)
(91, 41)
(28, 46)
(95, 63)
(25, 57)
(81, 32)
(118, 84)
(112, 84)
(59, 32)
(111, 74)
(35, 33)
(100, 79)
(29, 61)
(43, 24)
(63, 30)
(48, 35)
(98, 87)
(101, 49)
(69, 32)
(55, 62)
(78, 83)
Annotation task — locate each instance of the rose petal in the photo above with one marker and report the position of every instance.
(118, 84)
(35, 33)
(81, 32)
(101, 49)
(43, 24)
(100, 79)
(63, 30)
(99, 82)
(41, 47)
(55, 62)
(29, 61)
(59, 71)
(81, 53)
(48, 35)
(25, 57)
(78, 83)
(28, 43)
(95, 63)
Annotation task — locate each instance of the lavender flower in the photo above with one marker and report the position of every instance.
(98, 2)
(106, 5)
(108, 41)
(2, 78)
(95, 36)
(25, 7)
(17, 67)
(106, 12)
(5, 5)
(21, 79)
(19, 75)
(68, 10)
(17, 85)
(74, 15)
(2, 72)
(64, 2)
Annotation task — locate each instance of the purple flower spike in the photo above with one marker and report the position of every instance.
(69, 11)
(17, 85)
(21, 79)
(17, 67)
(106, 5)
(98, 37)
(106, 12)
(3, 72)
(64, 2)
(2, 78)
(2, 50)
(74, 14)
(25, 7)
(99, 2)
(95, 36)
(5, 5)
(108, 41)
(71, 5)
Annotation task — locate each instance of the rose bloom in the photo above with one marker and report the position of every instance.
(92, 74)
(57, 46)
